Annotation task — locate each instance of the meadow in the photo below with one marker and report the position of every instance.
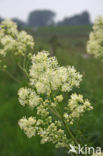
(68, 44)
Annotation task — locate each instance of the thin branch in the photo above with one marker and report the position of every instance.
(11, 76)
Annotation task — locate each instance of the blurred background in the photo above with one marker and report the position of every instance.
(62, 28)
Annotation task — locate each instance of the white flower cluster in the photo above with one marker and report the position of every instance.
(28, 96)
(76, 106)
(47, 76)
(28, 126)
(46, 94)
(95, 43)
(13, 41)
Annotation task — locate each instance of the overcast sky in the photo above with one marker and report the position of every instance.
(63, 8)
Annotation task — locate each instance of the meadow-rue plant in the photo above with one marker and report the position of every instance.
(95, 43)
(55, 112)
(14, 41)
(16, 45)
(49, 93)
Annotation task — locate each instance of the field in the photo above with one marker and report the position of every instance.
(68, 44)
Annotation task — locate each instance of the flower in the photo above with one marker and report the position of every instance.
(28, 96)
(76, 107)
(14, 42)
(46, 91)
(28, 126)
(95, 43)
(47, 76)
(59, 98)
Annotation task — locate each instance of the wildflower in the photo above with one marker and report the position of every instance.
(47, 76)
(59, 98)
(95, 43)
(76, 106)
(46, 94)
(28, 126)
(13, 42)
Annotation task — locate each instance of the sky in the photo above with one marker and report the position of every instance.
(63, 8)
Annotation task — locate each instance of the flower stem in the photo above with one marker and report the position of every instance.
(24, 70)
(11, 76)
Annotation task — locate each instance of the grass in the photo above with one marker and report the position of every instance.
(71, 30)
(70, 50)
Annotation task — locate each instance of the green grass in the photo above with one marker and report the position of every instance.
(70, 51)
(73, 30)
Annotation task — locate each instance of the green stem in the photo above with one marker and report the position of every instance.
(69, 131)
(11, 76)
(24, 61)
(71, 134)
(24, 70)
(55, 112)
(67, 128)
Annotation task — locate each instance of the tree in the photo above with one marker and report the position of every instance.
(82, 19)
(1, 19)
(41, 18)
(20, 23)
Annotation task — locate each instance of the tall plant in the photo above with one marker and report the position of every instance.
(49, 90)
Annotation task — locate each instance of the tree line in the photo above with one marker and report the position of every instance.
(42, 18)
